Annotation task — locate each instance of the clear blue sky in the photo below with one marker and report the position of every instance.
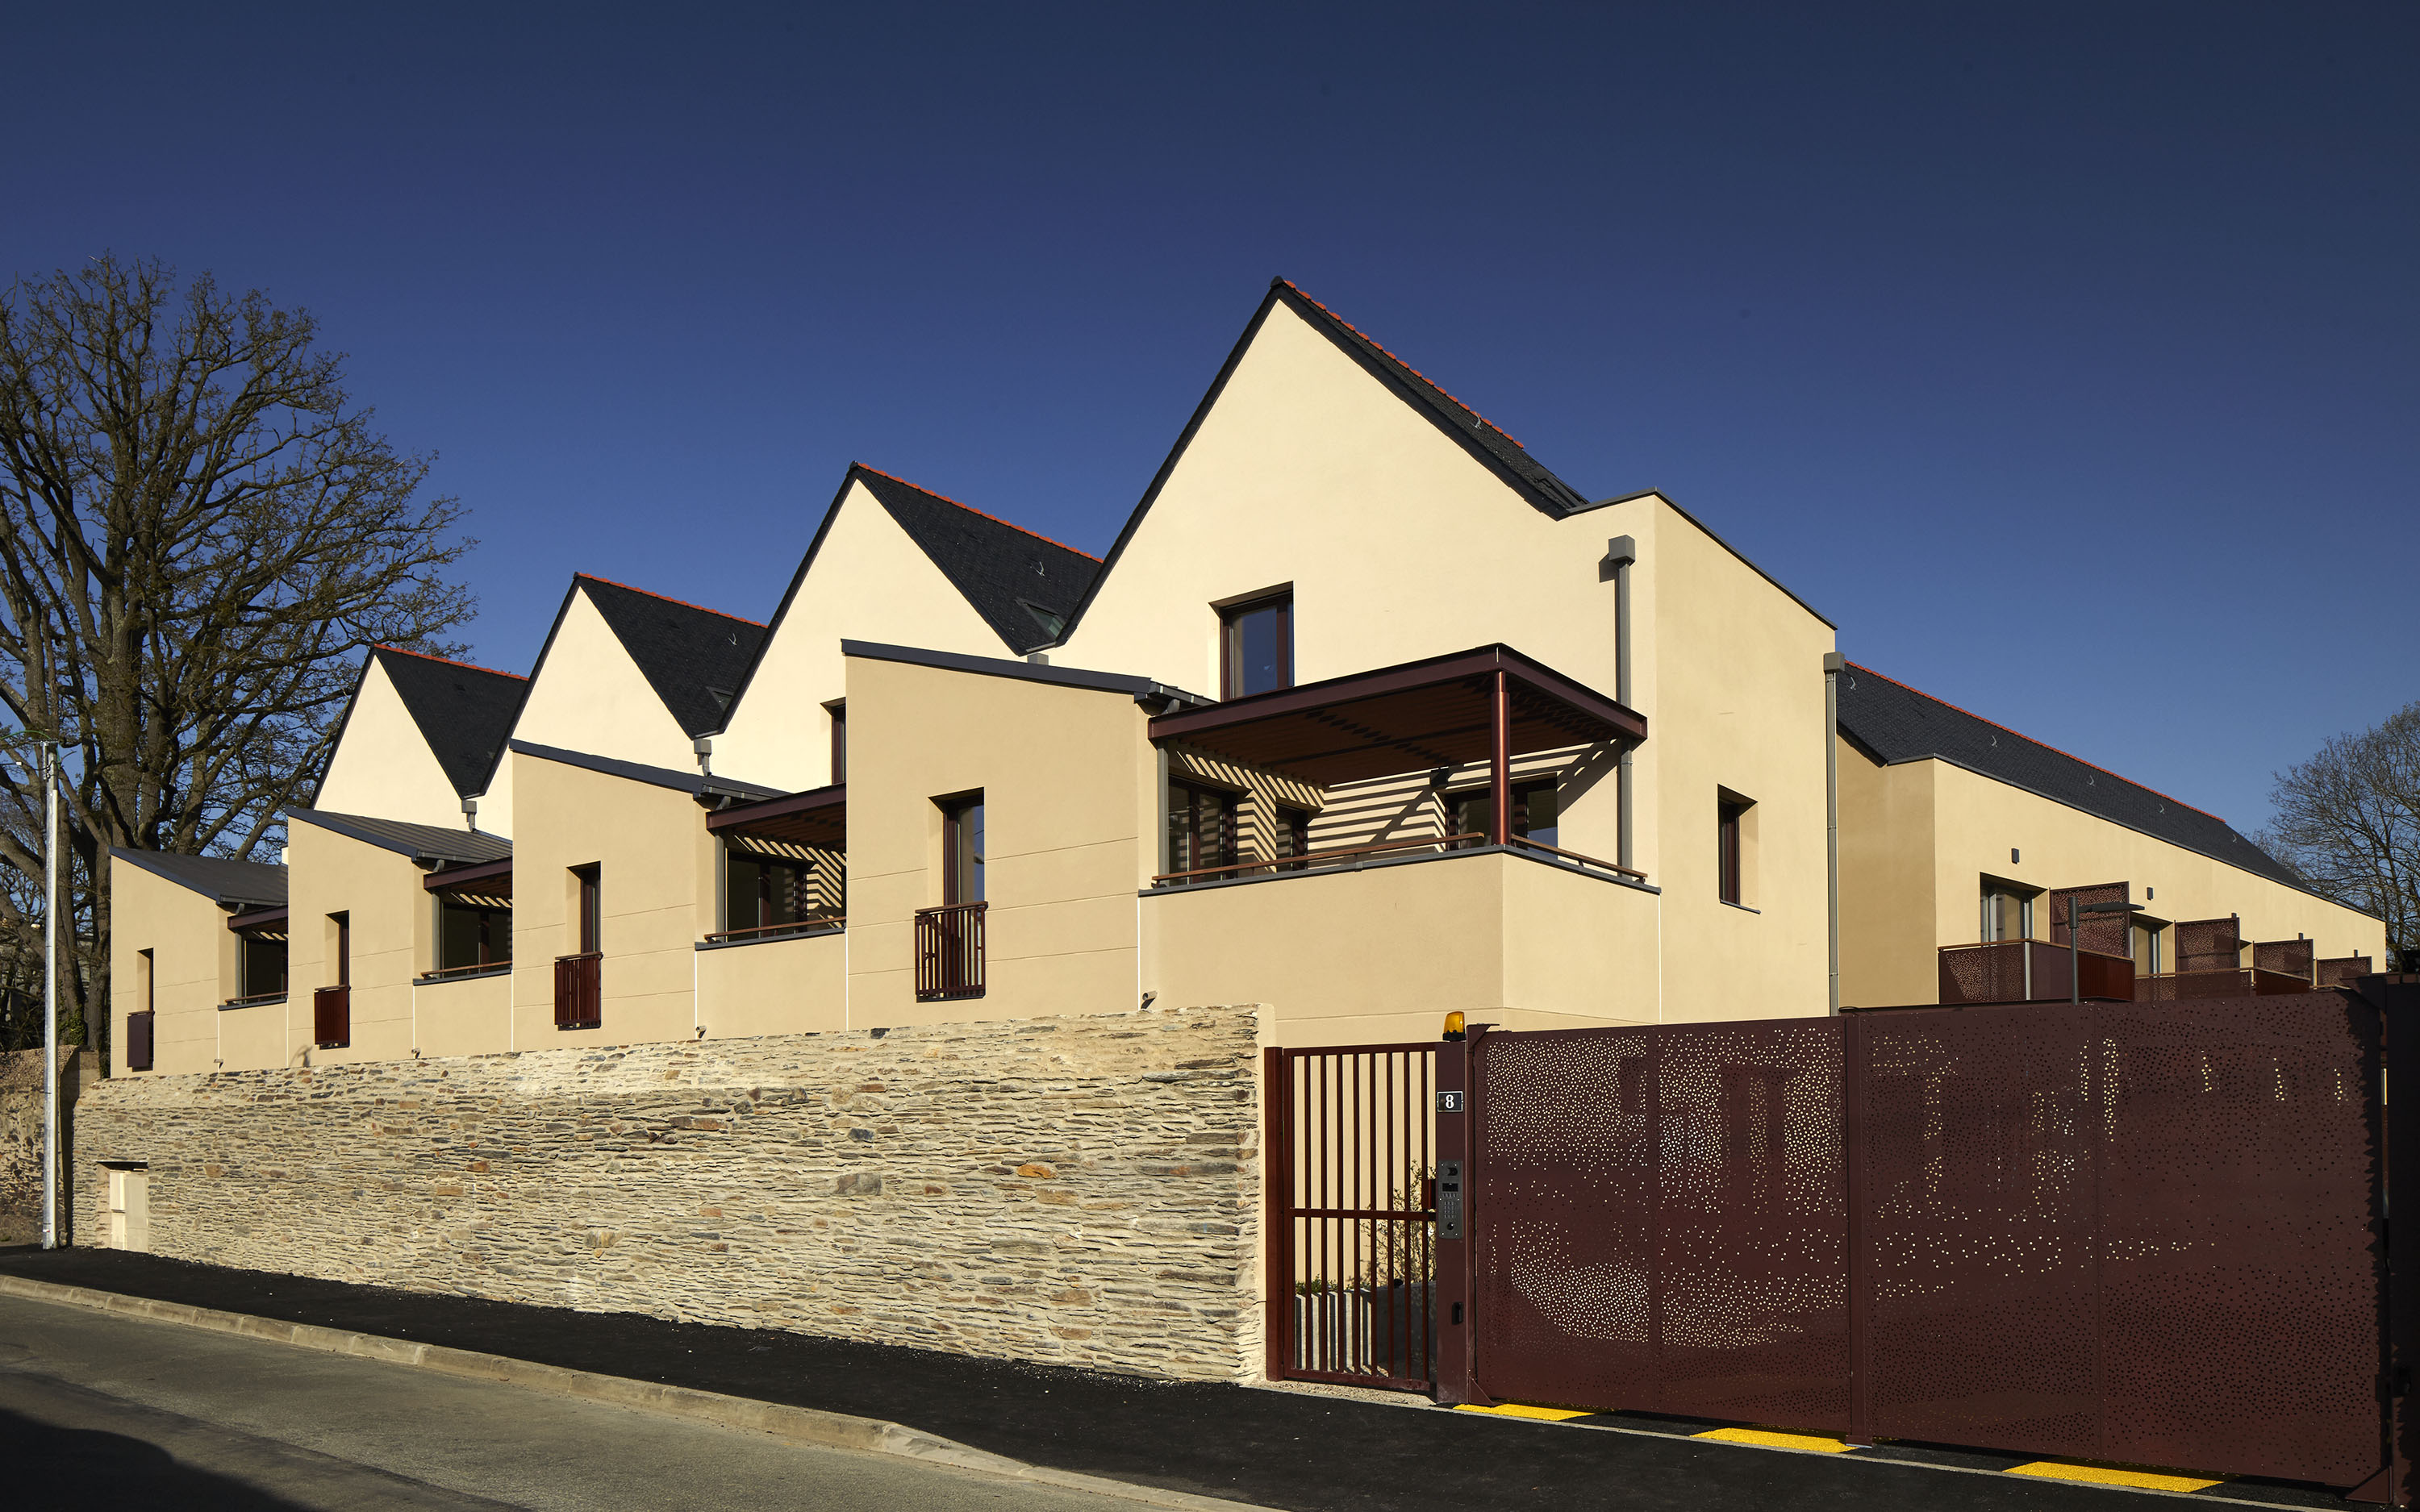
(1988, 330)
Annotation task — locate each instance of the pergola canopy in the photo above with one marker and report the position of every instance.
(1423, 713)
(817, 817)
(488, 879)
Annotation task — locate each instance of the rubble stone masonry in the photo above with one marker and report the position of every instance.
(1076, 1190)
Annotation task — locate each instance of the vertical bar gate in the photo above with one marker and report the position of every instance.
(1352, 1252)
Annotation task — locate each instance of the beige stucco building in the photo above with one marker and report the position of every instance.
(1588, 775)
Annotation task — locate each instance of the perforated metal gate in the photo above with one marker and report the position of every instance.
(2135, 1232)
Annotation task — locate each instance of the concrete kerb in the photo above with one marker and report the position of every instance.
(806, 1425)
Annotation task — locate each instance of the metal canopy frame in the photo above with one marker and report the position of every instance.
(1491, 704)
(490, 879)
(817, 818)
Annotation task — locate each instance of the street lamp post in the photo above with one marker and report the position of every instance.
(50, 995)
(2074, 946)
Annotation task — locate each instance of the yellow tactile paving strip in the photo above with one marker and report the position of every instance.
(1818, 1443)
(2099, 1476)
(1776, 1440)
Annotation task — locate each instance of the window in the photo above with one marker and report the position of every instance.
(764, 892)
(1535, 814)
(340, 930)
(148, 983)
(588, 918)
(2146, 946)
(838, 709)
(1256, 645)
(2008, 910)
(1200, 828)
(471, 933)
(962, 850)
(261, 961)
(1731, 824)
(1292, 835)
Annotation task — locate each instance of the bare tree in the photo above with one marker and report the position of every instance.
(201, 534)
(2348, 820)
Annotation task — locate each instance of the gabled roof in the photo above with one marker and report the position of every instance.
(1490, 446)
(463, 712)
(1006, 571)
(426, 843)
(694, 783)
(228, 883)
(1525, 472)
(695, 658)
(1895, 723)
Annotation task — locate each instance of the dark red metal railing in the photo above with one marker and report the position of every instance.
(332, 1017)
(812, 924)
(578, 990)
(950, 951)
(138, 1041)
(2021, 971)
(1352, 1215)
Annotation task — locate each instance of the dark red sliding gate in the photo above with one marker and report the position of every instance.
(2149, 1233)
(1351, 1198)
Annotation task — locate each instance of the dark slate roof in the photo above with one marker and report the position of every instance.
(1142, 690)
(464, 712)
(694, 783)
(1001, 568)
(226, 882)
(694, 658)
(1897, 724)
(422, 843)
(1525, 472)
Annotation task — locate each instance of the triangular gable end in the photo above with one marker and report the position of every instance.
(1025, 585)
(1488, 445)
(464, 712)
(695, 658)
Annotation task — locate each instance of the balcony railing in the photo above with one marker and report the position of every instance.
(1352, 857)
(812, 924)
(138, 1041)
(2022, 971)
(477, 968)
(579, 991)
(2245, 981)
(332, 1017)
(950, 951)
(256, 999)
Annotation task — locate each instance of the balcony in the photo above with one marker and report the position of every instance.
(786, 866)
(2031, 971)
(332, 1017)
(578, 990)
(949, 952)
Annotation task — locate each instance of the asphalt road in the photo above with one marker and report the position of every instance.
(104, 1412)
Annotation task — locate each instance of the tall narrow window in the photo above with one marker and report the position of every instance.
(1200, 828)
(342, 930)
(1730, 842)
(1293, 837)
(149, 983)
(591, 922)
(1256, 646)
(962, 850)
(2147, 947)
(838, 709)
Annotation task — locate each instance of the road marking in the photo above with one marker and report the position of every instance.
(1544, 1415)
(1775, 1441)
(2140, 1479)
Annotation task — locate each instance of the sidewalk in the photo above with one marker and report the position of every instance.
(1278, 1449)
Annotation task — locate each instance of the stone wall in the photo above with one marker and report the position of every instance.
(1078, 1189)
(21, 1136)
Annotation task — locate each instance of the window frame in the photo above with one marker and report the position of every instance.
(1232, 614)
(1730, 846)
(1231, 841)
(963, 850)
